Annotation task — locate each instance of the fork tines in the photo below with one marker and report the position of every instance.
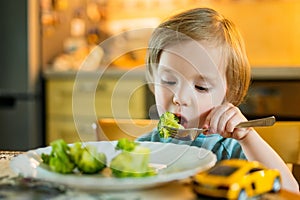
(173, 131)
(177, 133)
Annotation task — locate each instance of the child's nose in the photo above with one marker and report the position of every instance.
(182, 97)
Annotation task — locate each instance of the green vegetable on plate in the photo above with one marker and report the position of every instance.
(133, 161)
(59, 159)
(65, 159)
(89, 160)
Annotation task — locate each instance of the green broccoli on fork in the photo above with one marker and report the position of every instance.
(167, 119)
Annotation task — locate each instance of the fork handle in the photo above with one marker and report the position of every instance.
(268, 121)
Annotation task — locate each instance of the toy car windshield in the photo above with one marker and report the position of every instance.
(222, 170)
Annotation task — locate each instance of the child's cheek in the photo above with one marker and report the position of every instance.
(162, 100)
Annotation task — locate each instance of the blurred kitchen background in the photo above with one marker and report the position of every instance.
(45, 42)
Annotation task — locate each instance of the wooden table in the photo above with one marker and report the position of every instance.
(178, 190)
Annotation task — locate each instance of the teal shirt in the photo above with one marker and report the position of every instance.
(224, 148)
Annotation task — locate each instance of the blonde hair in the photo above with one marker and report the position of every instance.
(204, 24)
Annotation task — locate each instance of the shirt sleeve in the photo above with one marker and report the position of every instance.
(228, 148)
(150, 137)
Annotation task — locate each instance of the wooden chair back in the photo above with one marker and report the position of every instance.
(109, 129)
(284, 138)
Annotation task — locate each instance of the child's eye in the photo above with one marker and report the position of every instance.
(168, 82)
(201, 88)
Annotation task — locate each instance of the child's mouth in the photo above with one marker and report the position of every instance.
(182, 120)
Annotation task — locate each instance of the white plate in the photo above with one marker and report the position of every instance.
(181, 161)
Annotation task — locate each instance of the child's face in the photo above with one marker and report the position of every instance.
(189, 81)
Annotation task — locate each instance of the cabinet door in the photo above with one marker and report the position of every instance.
(71, 110)
(121, 99)
(59, 97)
(110, 98)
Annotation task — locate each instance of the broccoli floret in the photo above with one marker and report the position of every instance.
(126, 145)
(45, 158)
(64, 159)
(167, 119)
(76, 152)
(59, 159)
(91, 160)
(133, 163)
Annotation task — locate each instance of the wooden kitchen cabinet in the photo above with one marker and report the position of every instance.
(71, 109)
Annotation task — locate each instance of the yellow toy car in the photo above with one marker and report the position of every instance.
(236, 179)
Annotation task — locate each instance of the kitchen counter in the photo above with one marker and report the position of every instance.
(276, 73)
(258, 73)
(111, 72)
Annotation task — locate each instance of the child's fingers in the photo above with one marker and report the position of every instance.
(226, 121)
(223, 119)
(214, 117)
(232, 117)
(208, 118)
(237, 132)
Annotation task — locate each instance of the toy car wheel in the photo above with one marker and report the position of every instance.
(276, 185)
(243, 195)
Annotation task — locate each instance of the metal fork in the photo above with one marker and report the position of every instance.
(192, 133)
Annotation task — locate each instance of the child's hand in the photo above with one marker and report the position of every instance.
(223, 119)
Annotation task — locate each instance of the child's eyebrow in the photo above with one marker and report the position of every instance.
(210, 78)
(205, 76)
